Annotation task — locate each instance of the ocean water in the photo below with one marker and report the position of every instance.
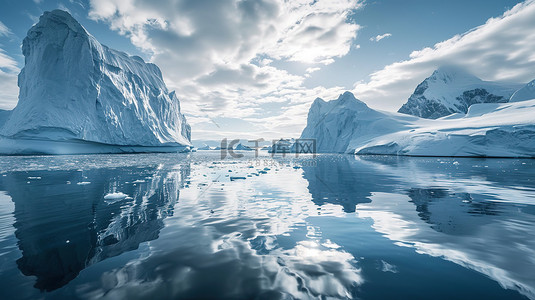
(195, 226)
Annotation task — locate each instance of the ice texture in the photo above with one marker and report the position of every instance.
(74, 90)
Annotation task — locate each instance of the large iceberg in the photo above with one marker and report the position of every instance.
(4, 115)
(487, 130)
(451, 90)
(79, 96)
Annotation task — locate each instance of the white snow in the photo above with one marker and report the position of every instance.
(447, 83)
(442, 93)
(494, 130)
(525, 93)
(74, 90)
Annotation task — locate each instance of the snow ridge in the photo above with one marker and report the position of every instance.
(525, 93)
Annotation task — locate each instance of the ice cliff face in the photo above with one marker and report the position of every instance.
(4, 115)
(488, 129)
(452, 90)
(72, 88)
(525, 93)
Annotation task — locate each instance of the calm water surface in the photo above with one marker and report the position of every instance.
(194, 226)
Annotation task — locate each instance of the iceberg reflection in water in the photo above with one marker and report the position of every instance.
(176, 226)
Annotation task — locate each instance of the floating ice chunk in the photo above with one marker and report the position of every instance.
(115, 196)
(83, 183)
(386, 267)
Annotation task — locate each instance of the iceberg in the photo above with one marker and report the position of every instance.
(4, 115)
(79, 96)
(348, 125)
(242, 147)
(205, 147)
(452, 90)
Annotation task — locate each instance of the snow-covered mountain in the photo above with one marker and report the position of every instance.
(452, 90)
(489, 129)
(77, 95)
(525, 93)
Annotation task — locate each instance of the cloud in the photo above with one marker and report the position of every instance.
(8, 81)
(219, 54)
(380, 37)
(501, 49)
(4, 30)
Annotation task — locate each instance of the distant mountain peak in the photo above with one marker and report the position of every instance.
(452, 89)
(452, 73)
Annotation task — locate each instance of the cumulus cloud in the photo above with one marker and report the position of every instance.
(218, 54)
(501, 49)
(380, 37)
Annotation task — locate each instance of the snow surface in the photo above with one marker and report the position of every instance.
(525, 93)
(74, 90)
(490, 130)
(452, 90)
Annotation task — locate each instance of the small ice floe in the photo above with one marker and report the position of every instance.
(386, 267)
(115, 196)
(456, 163)
(232, 178)
(138, 181)
(83, 183)
(329, 244)
(68, 182)
(34, 178)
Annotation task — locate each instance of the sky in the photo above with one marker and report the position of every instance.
(251, 68)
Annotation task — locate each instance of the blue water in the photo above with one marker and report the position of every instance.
(193, 226)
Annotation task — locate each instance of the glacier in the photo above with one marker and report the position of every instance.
(79, 96)
(348, 125)
(451, 89)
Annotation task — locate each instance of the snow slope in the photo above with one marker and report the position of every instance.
(525, 93)
(492, 129)
(452, 90)
(75, 90)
